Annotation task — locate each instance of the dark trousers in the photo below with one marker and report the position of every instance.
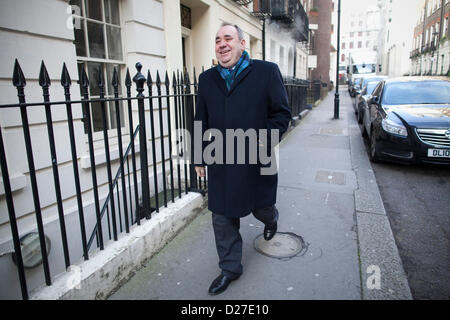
(229, 240)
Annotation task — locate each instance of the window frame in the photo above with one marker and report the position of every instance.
(85, 60)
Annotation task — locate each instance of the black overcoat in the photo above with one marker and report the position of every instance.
(257, 99)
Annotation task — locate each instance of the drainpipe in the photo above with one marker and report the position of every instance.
(439, 35)
(295, 58)
(423, 36)
(264, 40)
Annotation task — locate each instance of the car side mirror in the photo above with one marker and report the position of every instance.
(375, 100)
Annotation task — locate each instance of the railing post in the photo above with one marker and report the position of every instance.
(84, 83)
(44, 82)
(152, 136)
(12, 220)
(140, 80)
(189, 119)
(66, 82)
(161, 138)
(133, 153)
(169, 131)
(177, 130)
(101, 86)
(115, 84)
(19, 82)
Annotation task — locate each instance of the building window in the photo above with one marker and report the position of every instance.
(98, 45)
(359, 44)
(445, 27)
(351, 45)
(186, 17)
(360, 34)
(343, 45)
(351, 34)
(343, 58)
(367, 44)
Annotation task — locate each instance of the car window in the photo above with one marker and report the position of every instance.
(364, 91)
(377, 90)
(371, 86)
(373, 79)
(364, 68)
(417, 92)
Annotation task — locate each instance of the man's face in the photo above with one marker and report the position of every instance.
(228, 46)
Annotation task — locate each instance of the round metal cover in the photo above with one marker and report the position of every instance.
(282, 245)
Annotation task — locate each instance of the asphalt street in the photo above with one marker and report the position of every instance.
(417, 202)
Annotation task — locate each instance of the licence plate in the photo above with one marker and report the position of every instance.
(439, 153)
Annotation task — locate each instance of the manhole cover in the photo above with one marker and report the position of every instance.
(282, 245)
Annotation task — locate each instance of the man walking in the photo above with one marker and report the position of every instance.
(239, 94)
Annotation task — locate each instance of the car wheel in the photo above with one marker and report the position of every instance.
(373, 154)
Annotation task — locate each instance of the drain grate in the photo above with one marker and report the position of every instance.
(284, 245)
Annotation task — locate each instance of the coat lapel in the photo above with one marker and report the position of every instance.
(220, 82)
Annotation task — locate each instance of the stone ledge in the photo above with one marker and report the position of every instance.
(106, 270)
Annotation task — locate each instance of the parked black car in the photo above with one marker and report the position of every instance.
(363, 94)
(408, 120)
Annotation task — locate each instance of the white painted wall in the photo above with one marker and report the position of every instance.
(151, 35)
(397, 45)
(278, 45)
(39, 33)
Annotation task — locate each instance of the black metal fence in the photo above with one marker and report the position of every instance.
(126, 203)
(297, 94)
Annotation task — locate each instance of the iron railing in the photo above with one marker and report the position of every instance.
(122, 199)
(261, 9)
(126, 203)
(297, 94)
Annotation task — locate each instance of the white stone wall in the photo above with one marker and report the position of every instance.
(279, 44)
(32, 31)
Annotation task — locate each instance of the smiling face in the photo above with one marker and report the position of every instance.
(228, 46)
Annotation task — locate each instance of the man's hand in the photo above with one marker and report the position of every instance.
(200, 171)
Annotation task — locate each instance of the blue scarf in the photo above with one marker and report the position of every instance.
(229, 75)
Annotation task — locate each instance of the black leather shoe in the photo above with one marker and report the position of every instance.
(269, 232)
(219, 285)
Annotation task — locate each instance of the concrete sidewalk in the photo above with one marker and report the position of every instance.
(327, 195)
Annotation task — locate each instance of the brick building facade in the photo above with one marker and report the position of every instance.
(321, 40)
(430, 54)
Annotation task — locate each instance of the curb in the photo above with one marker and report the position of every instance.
(382, 273)
(377, 251)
